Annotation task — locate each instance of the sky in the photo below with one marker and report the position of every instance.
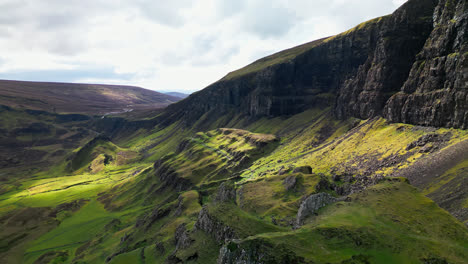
(178, 45)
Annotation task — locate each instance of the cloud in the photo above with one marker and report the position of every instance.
(167, 45)
(67, 75)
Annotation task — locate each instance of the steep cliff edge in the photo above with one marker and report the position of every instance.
(359, 73)
(436, 92)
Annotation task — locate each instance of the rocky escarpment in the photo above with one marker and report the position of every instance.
(359, 73)
(169, 177)
(256, 252)
(210, 225)
(310, 205)
(436, 92)
(399, 39)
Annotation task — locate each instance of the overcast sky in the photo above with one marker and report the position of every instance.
(178, 45)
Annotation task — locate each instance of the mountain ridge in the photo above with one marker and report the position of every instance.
(293, 159)
(361, 73)
(80, 98)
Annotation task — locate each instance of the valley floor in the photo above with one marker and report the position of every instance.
(246, 193)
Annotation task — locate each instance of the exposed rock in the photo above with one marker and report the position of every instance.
(357, 184)
(290, 183)
(149, 220)
(310, 205)
(355, 73)
(52, 257)
(284, 170)
(71, 206)
(435, 93)
(256, 252)
(303, 169)
(323, 184)
(430, 142)
(389, 61)
(210, 225)
(226, 193)
(170, 178)
(182, 237)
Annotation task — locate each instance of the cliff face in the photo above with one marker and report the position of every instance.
(436, 92)
(399, 39)
(410, 66)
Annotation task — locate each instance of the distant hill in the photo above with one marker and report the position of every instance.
(177, 94)
(80, 98)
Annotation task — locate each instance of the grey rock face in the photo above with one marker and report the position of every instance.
(310, 205)
(290, 183)
(209, 224)
(256, 252)
(226, 193)
(397, 41)
(240, 257)
(436, 92)
(170, 178)
(182, 237)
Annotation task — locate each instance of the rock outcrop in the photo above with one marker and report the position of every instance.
(182, 237)
(212, 226)
(313, 203)
(169, 177)
(256, 251)
(436, 92)
(226, 193)
(399, 38)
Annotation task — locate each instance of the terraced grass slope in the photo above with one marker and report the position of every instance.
(94, 99)
(270, 165)
(165, 198)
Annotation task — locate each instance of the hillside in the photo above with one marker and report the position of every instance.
(177, 94)
(80, 98)
(349, 149)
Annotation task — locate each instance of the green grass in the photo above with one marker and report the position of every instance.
(387, 223)
(277, 58)
(388, 220)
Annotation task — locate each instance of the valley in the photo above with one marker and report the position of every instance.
(348, 149)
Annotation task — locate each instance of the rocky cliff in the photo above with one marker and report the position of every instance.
(374, 69)
(436, 92)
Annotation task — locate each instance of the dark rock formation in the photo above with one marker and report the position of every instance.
(290, 183)
(395, 44)
(310, 205)
(170, 178)
(182, 237)
(256, 252)
(436, 92)
(226, 193)
(359, 73)
(209, 224)
(303, 169)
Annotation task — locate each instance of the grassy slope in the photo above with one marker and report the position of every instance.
(289, 54)
(309, 138)
(387, 223)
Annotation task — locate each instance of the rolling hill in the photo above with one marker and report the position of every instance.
(350, 149)
(80, 98)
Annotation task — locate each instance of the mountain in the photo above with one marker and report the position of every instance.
(348, 149)
(398, 66)
(177, 94)
(80, 98)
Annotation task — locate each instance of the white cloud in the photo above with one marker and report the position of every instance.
(162, 45)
